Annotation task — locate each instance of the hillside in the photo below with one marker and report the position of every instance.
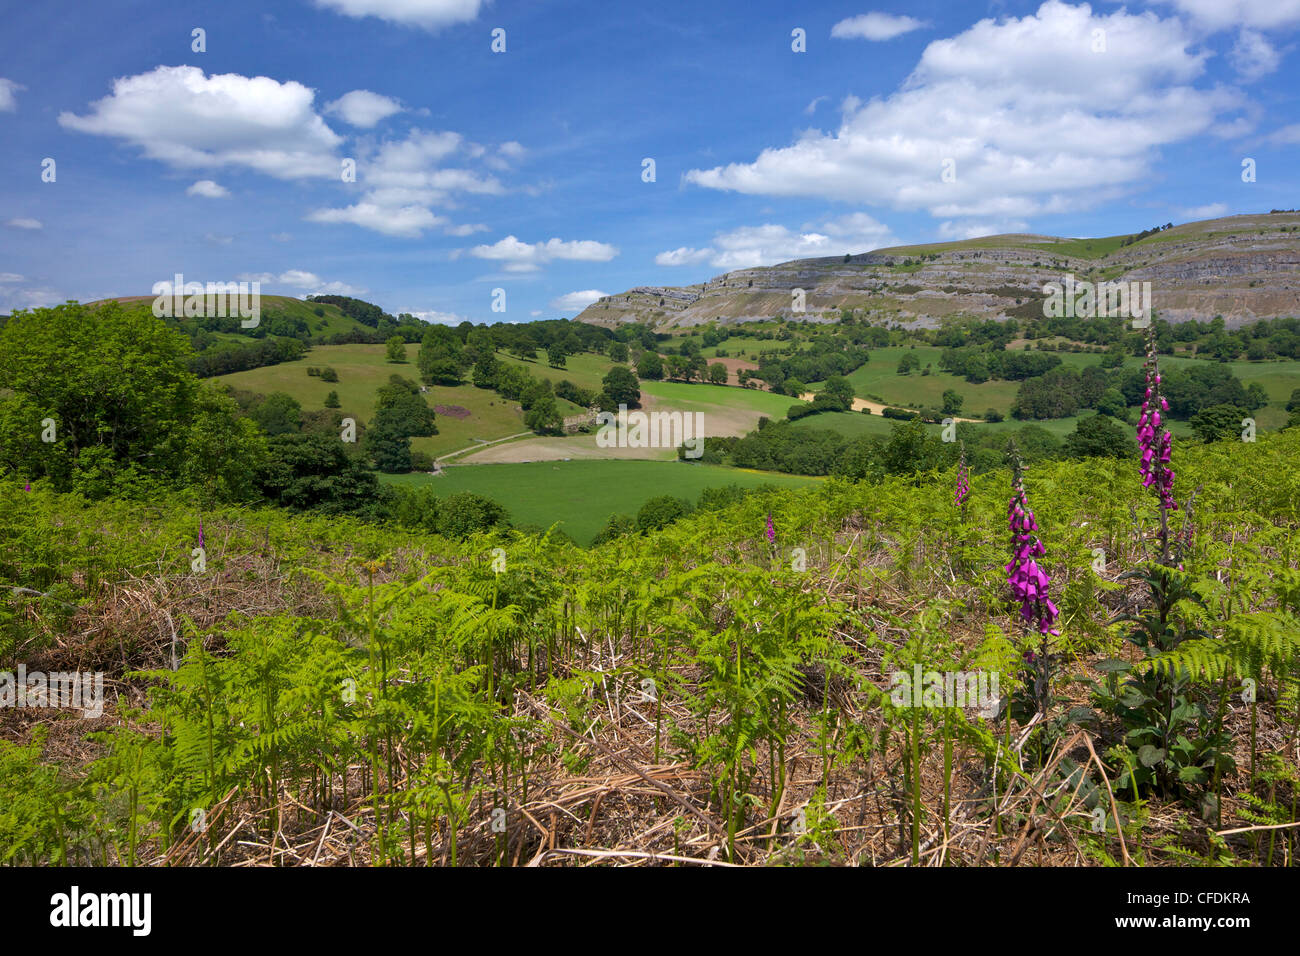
(1241, 267)
(721, 691)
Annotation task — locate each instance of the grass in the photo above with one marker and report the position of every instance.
(581, 495)
(363, 369)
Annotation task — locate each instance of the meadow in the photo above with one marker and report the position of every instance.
(580, 496)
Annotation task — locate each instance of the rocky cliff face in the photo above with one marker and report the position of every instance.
(1243, 268)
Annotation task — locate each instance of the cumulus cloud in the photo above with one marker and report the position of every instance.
(179, 116)
(430, 15)
(1253, 56)
(765, 245)
(529, 257)
(25, 224)
(208, 190)
(1224, 14)
(876, 26)
(9, 102)
(311, 283)
(405, 177)
(1032, 120)
(363, 108)
(576, 301)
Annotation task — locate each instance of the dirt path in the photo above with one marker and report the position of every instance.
(876, 408)
(480, 446)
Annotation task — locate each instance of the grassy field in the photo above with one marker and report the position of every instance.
(585, 370)
(363, 369)
(581, 495)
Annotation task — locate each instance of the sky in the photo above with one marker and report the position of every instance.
(421, 154)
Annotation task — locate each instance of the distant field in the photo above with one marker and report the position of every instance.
(363, 369)
(880, 377)
(581, 495)
(585, 370)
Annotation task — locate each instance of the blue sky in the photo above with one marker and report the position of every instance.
(523, 169)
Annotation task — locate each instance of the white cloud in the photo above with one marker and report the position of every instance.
(437, 318)
(1035, 121)
(525, 257)
(404, 178)
(11, 277)
(1253, 56)
(768, 244)
(466, 229)
(9, 102)
(301, 279)
(876, 26)
(1209, 211)
(1287, 134)
(811, 108)
(14, 299)
(363, 108)
(1224, 14)
(218, 239)
(25, 224)
(511, 150)
(428, 14)
(576, 301)
(207, 189)
(280, 237)
(179, 116)
(408, 221)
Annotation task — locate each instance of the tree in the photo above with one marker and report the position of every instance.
(108, 377)
(466, 513)
(277, 414)
(661, 511)
(555, 355)
(387, 444)
(396, 349)
(952, 402)
(1112, 403)
(544, 418)
(908, 363)
(332, 400)
(1100, 436)
(651, 366)
(617, 526)
(405, 408)
(618, 353)
(622, 387)
(327, 374)
(992, 415)
(718, 373)
(314, 471)
(1293, 403)
(1218, 423)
